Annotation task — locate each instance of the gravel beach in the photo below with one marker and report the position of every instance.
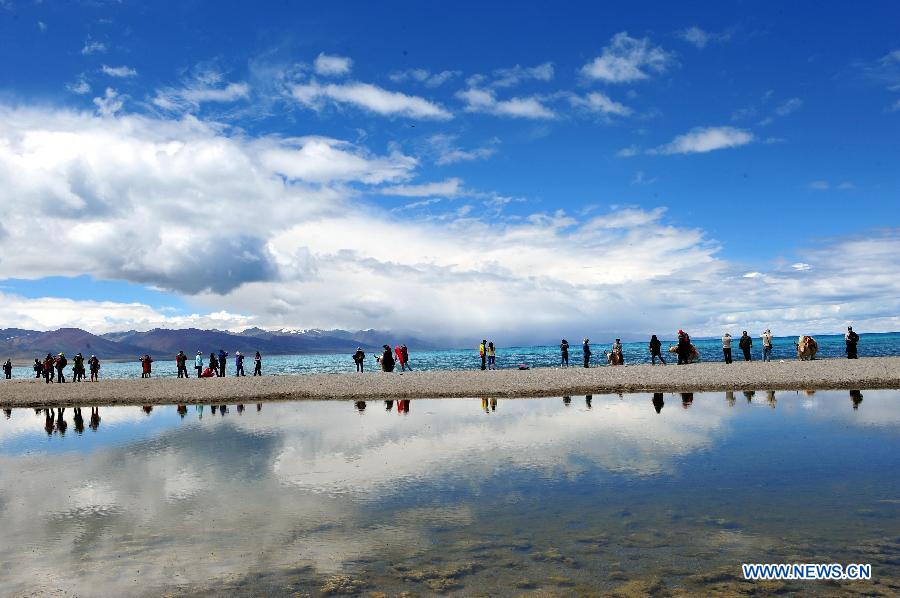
(873, 372)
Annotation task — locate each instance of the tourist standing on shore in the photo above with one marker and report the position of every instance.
(223, 359)
(655, 348)
(7, 369)
(94, 364)
(586, 349)
(38, 368)
(404, 353)
(387, 359)
(213, 364)
(48, 369)
(359, 359)
(767, 345)
(146, 368)
(482, 351)
(564, 351)
(257, 364)
(198, 363)
(491, 356)
(239, 364)
(746, 343)
(181, 364)
(78, 368)
(61, 363)
(726, 347)
(851, 338)
(683, 349)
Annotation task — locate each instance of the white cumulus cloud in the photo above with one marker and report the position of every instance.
(627, 59)
(119, 71)
(481, 100)
(332, 66)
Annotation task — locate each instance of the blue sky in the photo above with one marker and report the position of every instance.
(596, 167)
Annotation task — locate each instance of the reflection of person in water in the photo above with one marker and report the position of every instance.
(360, 406)
(687, 398)
(223, 409)
(770, 398)
(493, 404)
(95, 418)
(7, 413)
(61, 424)
(484, 405)
(240, 408)
(48, 422)
(588, 399)
(567, 401)
(856, 398)
(182, 410)
(403, 406)
(78, 420)
(147, 409)
(258, 407)
(748, 394)
(729, 397)
(213, 408)
(658, 401)
(388, 405)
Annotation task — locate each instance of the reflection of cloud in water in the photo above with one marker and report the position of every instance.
(626, 436)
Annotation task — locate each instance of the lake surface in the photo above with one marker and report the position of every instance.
(554, 496)
(870, 345)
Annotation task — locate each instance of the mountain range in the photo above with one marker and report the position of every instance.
(24, 345)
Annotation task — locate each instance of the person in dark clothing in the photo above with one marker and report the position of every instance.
(257, 364)
(746, 343)
(38, 368)
(359, 359)
(658, 402)
(586, 349)
(222, 362)
(851, 339)
(239, 364)
(856, 398)
(655, 350)
(564, 352)
(404, 356)
(387, 359)
(94, 364)
(683, 349)
(48, 369)
(78, 368)
(7, 369)
(181, 363)
(482, 349)
(61, 363)
(214, 364)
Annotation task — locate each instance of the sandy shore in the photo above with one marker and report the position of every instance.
(873, 372)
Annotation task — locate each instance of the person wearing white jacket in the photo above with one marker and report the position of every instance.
(726, 347)
(767, 345)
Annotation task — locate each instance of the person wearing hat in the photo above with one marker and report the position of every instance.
(387, 359)
(198, 363)
(850, 339)
(586, 348)
(726, 347)
(94, 364)
(238, 363)
(181, 363)
(61, 363)
(359, 359)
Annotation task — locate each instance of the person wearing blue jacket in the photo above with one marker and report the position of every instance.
(222, 355)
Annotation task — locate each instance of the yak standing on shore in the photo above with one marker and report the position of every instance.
(807, 347)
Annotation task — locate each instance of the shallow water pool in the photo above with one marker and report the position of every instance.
(635, 494)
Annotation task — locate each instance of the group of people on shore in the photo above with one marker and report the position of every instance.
(51, 365)
(388, 360)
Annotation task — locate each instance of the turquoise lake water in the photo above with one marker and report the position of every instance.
(637, 494)
(507, 357)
